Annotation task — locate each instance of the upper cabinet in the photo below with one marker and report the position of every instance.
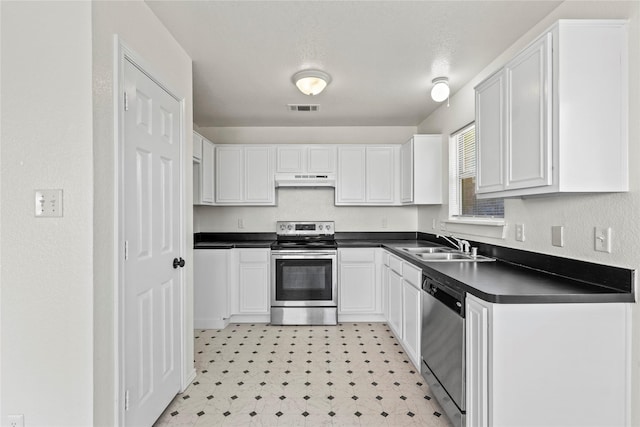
(554, 118)
(244, 175)
(421, 170)
(203, 170)
(302, 159)
(367, 175)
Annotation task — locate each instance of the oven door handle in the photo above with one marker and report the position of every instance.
(302, 254)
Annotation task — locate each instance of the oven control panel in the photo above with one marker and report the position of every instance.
(305, 228)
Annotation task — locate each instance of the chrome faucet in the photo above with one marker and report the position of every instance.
(460, 244)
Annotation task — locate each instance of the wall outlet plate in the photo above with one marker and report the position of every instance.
(48, 203)
(520, 232)
(557, 235)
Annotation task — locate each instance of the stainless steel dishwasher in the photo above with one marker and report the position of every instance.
(443, 348)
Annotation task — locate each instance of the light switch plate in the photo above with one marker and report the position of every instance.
(602, 239)
(48, 203)
(557, 235)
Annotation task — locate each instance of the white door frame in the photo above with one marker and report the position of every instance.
(124, 53)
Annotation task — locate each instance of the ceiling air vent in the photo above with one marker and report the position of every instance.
(303, 107)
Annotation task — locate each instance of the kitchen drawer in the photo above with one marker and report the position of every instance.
(357, 255)
(254, 255)
(395, 264)
(385, 258)
(412, 274)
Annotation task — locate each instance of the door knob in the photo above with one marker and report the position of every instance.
(178, 263)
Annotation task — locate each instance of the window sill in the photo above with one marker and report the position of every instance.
(494, 228)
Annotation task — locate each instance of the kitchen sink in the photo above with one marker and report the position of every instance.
(451, 256)
(428, 250)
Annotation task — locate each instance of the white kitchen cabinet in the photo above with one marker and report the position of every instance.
(421, 170)
(244, 175)
(411, 321)
(490, 134)
(303, 159)
(203, 170)
(554, 118)
(197, 147)
(367, 175)
(210, 288)
(394, 296)
(359, 290)
(412, 311)
(253, 281)
(477, 362)
(540, 364)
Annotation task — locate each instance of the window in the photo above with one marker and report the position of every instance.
(462, 179)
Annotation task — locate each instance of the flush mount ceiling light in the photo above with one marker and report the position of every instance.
(311, 82)
(440, 89)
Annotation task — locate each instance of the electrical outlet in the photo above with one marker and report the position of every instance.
(602, 239)
(520, 232)
(433, 223)
(240, 223)
(48, 203)
(557, 235)
(16, 420)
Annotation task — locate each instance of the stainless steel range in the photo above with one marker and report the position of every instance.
(304, 274)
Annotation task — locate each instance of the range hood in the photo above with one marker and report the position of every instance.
(305, 180)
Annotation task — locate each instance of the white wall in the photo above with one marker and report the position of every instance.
(307, 204)
(46, 265)
(577, 213)
(141, 31)
(311, 204)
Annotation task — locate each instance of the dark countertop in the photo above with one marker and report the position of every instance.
(500, 282)
(505, 283)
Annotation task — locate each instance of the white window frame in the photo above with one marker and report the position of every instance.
(471, 225)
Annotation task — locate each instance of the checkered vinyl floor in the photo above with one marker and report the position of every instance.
(352, 374)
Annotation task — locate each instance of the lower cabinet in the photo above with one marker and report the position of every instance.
(411, 321)
(404, 304)
(211, 288)
(547, 364)
(395, 302)
(359, 290)
(231, 285)
(253, 281)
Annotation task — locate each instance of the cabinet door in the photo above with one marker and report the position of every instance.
(357, 290)
(406, 172)
(229, 174)
(210, 288)
(350, 185)
(411, 321)
(490, 131)
(528, 78)
(380, 175)
(258, 176)
(321, 159)
(253, 281)
(290, 159)
(477, 365)
(207, 175)
(395, 303)
(197, 147)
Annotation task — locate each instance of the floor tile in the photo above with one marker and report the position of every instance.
(351, 374)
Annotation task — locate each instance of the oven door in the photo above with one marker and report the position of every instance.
(304, 278)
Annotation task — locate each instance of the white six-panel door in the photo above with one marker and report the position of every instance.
(152, 230)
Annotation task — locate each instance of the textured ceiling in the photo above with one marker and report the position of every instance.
(382, 55)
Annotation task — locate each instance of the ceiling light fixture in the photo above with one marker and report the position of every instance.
(440, 89)
(311, 82)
